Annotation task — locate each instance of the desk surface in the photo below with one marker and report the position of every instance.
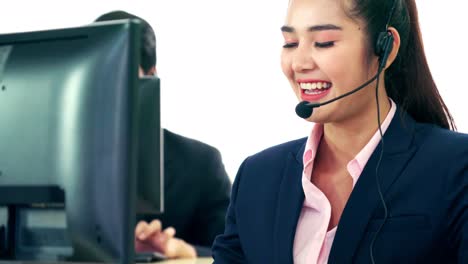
(175, 261)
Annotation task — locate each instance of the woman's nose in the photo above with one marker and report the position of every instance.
(303, 60)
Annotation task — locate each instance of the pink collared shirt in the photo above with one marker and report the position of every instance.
(312, 242)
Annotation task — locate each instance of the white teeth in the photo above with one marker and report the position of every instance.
(312, 91)
(315, 85)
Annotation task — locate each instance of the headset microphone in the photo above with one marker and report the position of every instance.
(304, 109)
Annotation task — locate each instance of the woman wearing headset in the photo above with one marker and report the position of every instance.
(344, 194)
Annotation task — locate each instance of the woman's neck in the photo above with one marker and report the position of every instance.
(343, 141)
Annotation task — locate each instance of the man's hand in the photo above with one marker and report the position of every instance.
(150, 237)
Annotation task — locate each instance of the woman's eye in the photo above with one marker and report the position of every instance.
(290, 45)
(324, 44)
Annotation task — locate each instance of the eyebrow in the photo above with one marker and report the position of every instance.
(290, 29)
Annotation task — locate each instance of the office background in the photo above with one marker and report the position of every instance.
(219, 63)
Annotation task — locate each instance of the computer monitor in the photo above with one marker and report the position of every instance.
(68, 112)
(150, 178)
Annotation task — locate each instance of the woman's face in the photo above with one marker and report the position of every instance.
(325, 55)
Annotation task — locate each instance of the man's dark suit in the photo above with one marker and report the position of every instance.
(424, 179)
(197, 190)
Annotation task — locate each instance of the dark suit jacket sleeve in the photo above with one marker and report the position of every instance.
(212, 209)
(227, 247)
(457, 193)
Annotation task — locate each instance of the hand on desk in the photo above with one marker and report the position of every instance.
(150, 237)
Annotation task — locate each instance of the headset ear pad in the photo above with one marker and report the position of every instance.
(381, 42)
(383, 45)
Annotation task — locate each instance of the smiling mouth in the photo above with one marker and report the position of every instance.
(314, 88)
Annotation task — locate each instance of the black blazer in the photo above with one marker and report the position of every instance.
(424, 179)
(197, 190)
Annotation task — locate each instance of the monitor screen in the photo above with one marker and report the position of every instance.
(68, 109)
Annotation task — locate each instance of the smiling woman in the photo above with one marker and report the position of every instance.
(341, 195)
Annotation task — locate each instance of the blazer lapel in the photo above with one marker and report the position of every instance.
(289, 205)
(365, 199)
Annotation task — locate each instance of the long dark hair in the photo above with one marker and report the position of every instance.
(408, 80)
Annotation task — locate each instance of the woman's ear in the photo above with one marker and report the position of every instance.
(395, 48)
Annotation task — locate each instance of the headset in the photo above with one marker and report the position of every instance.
(384, 43)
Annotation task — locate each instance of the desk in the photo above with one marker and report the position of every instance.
(175, 261)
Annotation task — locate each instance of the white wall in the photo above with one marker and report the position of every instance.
(219, 63)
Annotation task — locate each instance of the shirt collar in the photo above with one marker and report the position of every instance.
(356, 165)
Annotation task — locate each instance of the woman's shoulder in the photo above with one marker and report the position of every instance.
(280, 151)
(445, 143)
(267, 167)
(446, 136)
